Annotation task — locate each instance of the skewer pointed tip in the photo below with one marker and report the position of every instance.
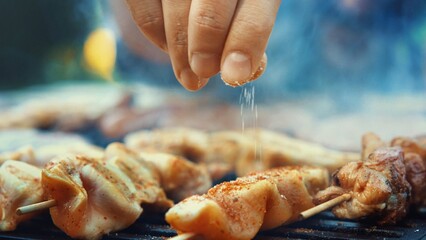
(324, 206)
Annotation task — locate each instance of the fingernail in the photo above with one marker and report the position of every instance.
(236, 68)
(190, 81)
(205, 64)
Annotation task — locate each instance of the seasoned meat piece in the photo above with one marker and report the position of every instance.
(410, 146)
(24, 154)
(259, 201)
(245, 152)
(229, 150)
(156, 173)
(91, 199)
(415, 167)
(61, 108)
(370, 142)
(378, 187)
(280, 150)
(142, 174)
(189, 143)
(42, 155)
(46, 153)
(180, 178)
(20, 186)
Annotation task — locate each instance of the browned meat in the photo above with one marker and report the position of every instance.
(378, 187)
(370, 142)
(416, 175)
(410, 146)
(414, 161)
(259, 201)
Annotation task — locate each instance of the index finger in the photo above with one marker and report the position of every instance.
(247, 39)
(148, 15)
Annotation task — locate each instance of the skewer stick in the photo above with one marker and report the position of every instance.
(36, 207)
(303, 215)
(324, 206)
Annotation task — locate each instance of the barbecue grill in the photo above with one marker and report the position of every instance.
(322, 226)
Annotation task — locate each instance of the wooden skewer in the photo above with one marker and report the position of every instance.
(324, 206)
(303, 215)
(36, 207)
(186, 236)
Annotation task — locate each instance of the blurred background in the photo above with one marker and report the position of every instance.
(336, 69)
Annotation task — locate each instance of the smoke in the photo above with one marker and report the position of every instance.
(347, 48)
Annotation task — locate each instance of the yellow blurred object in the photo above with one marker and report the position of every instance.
(100, 52)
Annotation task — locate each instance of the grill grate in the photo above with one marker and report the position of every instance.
(322, 226)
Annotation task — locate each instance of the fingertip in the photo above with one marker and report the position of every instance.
(205, 65)
(190, 81)
(261, 69)
(236, 68)
(234, 76)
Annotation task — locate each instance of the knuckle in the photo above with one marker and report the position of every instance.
(149, 21)
(259, 28)
(180, 37)
(209, 20)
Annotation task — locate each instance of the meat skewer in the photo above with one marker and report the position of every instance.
(303, 215)
(139, 180)
(91, 199)
(228, 151)
(378, 188)
(414, 161)
(324, 206)
(240, 208)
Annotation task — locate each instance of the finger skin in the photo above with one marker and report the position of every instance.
(247, 39)
(259, 71)
(209, 23)
(176, 14)
(148, 15)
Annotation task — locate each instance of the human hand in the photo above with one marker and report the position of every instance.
(203, 37)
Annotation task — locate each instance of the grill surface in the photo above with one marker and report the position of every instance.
(322, 226)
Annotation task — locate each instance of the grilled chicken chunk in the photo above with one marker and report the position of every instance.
(156, 173)
(414, 161)
(226, 151)
(20, 186)
(189, 143)
(180, 178)
(259, 201)
(23, 154)
(378, 187)
(91, 199)
(229, 151)
(142, 174)
(280, 150)
(40, 156)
